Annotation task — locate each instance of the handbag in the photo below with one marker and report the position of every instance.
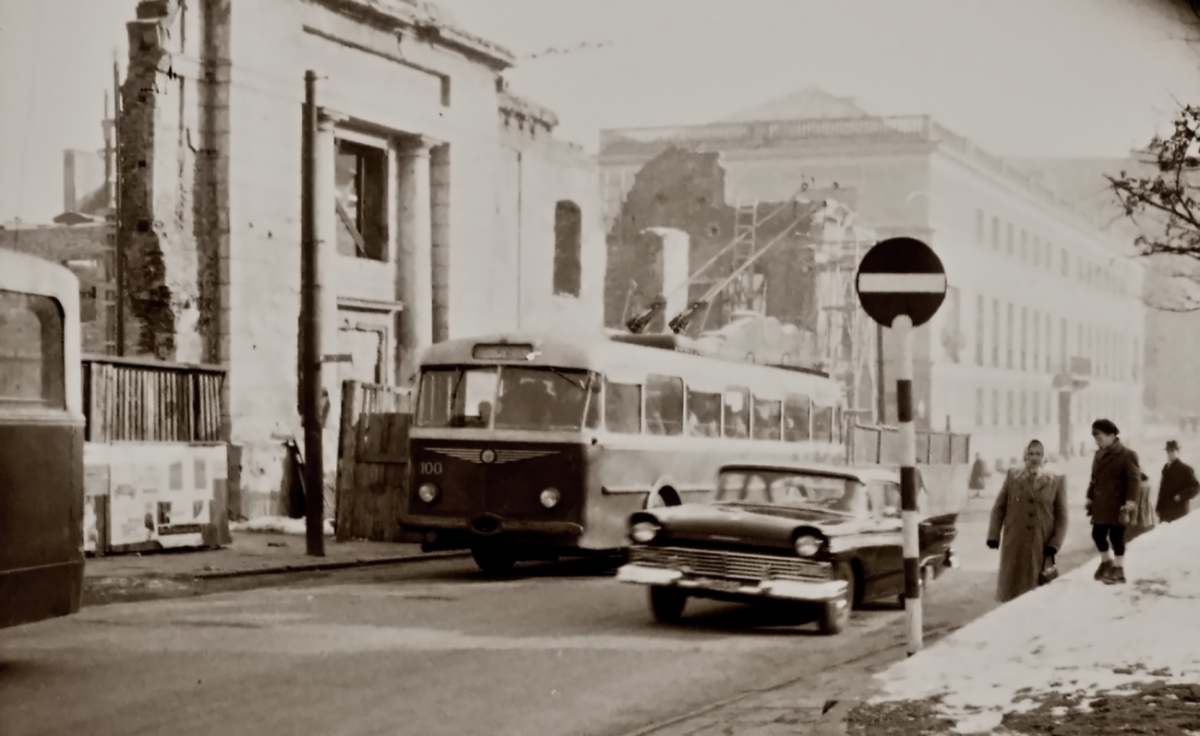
(1049, 571)
(1126, 516)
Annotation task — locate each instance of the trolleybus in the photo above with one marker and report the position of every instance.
(528, 446)
(41, 441)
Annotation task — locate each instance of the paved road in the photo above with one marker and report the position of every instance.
(433, 649)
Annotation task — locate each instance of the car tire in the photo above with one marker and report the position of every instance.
(494, 560)
(835, 615)
(667, 604)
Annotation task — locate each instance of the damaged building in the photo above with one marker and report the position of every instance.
(1006, 357)
(452, 209)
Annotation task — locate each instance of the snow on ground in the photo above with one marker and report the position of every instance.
(1075, 635)
(277, 524)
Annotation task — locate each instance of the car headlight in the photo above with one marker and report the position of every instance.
(550, 497)
(428, 492)
(644, 531)
(807, 545)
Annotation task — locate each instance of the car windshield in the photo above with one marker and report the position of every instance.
(507, 397)
(793, 489)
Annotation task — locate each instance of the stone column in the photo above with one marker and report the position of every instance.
(416, 252)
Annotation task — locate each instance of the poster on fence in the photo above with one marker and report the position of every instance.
(162, 494)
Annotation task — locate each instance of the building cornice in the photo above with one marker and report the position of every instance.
(427, 23)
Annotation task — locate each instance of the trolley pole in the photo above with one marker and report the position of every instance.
(311, 348)
(901, 283)
(903, 327)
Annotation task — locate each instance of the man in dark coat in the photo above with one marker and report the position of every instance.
(1115, 485)
(1177, 488)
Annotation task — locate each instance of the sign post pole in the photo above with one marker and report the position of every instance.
(901, 284)
(908, 484)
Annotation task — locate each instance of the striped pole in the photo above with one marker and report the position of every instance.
(908, 483)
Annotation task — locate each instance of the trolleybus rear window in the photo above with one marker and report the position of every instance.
(32, 367)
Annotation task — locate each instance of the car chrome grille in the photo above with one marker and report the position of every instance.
(729, 565)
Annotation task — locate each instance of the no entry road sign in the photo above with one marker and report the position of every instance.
(901, 276)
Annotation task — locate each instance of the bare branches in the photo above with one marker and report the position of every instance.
(1162, 198)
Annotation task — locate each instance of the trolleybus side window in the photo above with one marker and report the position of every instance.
(664, 405)
(541, 398)
(704, 414)
(623, 407)
(823, 424)
(32, 366)
(767, 416)
(796, 410)
(737, 413)
(456, 397)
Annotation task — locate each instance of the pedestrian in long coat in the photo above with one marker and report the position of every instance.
(1028, 524)
(1177, 488)
(1112, 499)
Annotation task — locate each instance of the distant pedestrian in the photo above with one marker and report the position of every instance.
(1144, 519)
(1112, 498)
(979, 476)
(1177, 488)
(1028, 524)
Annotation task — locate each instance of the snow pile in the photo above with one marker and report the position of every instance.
(278, 525)
(1075, 635)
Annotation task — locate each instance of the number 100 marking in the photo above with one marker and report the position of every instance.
(428, 468)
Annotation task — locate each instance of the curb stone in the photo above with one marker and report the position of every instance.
(322, 566)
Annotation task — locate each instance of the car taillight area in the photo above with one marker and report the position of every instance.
(531, 481)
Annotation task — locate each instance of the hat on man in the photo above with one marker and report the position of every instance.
(1172, 446)
(1105, 426)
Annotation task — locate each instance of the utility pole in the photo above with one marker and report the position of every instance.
(312, 350)
(118, 239)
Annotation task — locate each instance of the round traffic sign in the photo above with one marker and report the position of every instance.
(901, 276)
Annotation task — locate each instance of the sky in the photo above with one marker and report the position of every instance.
(1087, 78)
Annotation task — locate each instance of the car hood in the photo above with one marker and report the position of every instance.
(771, 526)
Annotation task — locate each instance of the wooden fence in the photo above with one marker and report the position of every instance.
(372, 463)
(138, 400)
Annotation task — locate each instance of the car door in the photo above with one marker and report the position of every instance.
(887, 550)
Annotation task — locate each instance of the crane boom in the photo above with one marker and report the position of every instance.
(638, 322)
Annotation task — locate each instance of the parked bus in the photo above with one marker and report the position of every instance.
(526, 446)
(41, 441)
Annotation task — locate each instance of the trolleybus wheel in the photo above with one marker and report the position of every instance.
(493, 560)
(667, 604)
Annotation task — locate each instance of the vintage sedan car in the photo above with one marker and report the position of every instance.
(828, 537)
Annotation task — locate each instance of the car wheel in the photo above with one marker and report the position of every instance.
(667, 604)
(493, 560)
(835, 614)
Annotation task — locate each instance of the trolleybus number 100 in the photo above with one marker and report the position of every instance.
(428, 468)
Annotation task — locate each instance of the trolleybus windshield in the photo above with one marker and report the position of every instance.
(509, 397)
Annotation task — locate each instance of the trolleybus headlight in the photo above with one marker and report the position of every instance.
(428, 492)
(550, 497)
(644, 531)
(807, 545)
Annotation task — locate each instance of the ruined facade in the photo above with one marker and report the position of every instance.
(446, 207)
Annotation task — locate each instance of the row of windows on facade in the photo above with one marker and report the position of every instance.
(1041, 253)
(362, 208)
(737, 414)
(1109, 353)
(1032, 408)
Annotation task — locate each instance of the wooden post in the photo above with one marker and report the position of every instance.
(352, 400)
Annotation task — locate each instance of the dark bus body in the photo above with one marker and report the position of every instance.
(41, 441)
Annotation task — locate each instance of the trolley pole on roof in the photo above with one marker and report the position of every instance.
(901, 283)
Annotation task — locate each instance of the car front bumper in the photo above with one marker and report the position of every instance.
(792, 590)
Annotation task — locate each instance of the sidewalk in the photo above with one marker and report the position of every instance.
(1074, 657)
(269, 547)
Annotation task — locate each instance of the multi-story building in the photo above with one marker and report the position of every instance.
(1043, 324)
(444, 204)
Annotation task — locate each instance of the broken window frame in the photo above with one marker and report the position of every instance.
(368, 224)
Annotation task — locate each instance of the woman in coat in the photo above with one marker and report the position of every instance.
(1112, 499)
(1144, 519)
(1029, 522)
